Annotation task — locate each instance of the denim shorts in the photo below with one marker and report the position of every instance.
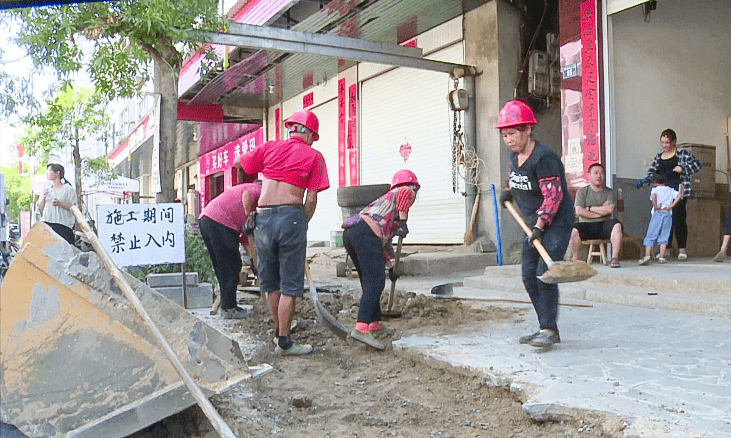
(280, 237)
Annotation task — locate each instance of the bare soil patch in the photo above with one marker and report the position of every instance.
(346, 389)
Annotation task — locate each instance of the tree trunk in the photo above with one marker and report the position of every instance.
(77, 166)
(166, 83)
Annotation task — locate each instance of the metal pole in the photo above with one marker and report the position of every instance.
(470, 135)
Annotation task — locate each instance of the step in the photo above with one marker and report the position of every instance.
(711, 297)
(698, 279)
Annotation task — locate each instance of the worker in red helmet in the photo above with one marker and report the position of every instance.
(537, 185)
(293, 174)
(365, 238)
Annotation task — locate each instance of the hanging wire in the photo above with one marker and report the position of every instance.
(530, 48)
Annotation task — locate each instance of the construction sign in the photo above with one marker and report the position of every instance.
(142, 234)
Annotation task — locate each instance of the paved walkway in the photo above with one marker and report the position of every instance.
(668, 373)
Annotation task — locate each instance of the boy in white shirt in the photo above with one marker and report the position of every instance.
(663, 198)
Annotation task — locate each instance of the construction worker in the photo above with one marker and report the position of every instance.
(223, 226)
(290, 168)
(365, 238)
(537, 184)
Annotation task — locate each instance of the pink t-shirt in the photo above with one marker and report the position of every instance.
(292, 161)
(228, 209)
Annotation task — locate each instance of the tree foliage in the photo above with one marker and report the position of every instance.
(17, 189)
(126, 36)
(72, 115)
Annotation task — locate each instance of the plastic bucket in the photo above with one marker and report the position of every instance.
(336, 238)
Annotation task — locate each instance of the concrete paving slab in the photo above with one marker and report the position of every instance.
(668, 373)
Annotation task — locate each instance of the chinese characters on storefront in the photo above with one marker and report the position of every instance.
(142, 234)
(590, 84)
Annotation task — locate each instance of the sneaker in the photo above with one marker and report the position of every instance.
(367, 338)
(235, 313)
(682, 256)
(382, 331)
(721, 256)
(644, 260)
(545, 338)
(528, 338)
(295, 350)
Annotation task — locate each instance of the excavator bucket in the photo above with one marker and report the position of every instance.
(76, 360)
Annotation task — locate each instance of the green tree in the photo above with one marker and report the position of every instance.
(73, 114)
(127, 35)
(17, 190)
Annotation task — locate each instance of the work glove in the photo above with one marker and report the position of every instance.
(537, 234)
(392, 275)
(505, 196)
(250, 224)
(639, 183)
(401, 229)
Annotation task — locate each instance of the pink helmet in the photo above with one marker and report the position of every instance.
(515, 113)
(306, 118)
(404, 176)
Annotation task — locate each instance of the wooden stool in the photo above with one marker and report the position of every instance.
(601, 250)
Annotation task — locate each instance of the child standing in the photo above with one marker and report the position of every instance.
(663, 198)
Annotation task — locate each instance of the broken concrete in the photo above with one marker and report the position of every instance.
(76, 358)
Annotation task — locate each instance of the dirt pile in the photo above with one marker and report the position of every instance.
(345, 389)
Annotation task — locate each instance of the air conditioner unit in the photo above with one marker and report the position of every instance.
(538, 80)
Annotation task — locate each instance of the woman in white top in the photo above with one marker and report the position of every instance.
(56, 201)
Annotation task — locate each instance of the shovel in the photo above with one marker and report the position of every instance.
(558, 272)
(322, 313)
(391, 312)
(446, 292)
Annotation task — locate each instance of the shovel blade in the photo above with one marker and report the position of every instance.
(323, 315)
(568, 272)
(443, 289)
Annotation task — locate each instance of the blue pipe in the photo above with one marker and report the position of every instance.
(497, 227)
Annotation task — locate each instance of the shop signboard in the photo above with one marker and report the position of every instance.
(223, 158)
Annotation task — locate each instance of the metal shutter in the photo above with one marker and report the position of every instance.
(412, 104)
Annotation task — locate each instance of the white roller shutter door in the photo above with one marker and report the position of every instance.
(412, 104)
(327, 213)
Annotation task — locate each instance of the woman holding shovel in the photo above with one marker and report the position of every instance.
(365, 238)
(537, 184)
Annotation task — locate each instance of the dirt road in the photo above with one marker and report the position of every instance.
(345, 389)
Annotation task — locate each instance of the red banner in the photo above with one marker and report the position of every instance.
(277, 123)
(590, 84)
(342, 128)
(353, 133)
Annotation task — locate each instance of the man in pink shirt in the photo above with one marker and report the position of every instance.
(290, 168)
(222, 224)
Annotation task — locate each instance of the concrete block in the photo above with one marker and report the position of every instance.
(198, 296)
(173, 293)
(201, 296)
(172, 279)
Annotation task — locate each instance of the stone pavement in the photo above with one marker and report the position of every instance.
(666, 372)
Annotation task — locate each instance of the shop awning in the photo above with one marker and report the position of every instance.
(275, 64)
(119, 184)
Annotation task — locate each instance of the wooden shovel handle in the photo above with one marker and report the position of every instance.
(539, 246)
(205, 405)
(474, 210)
(395, 271)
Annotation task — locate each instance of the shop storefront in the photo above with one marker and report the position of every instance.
(217, 171)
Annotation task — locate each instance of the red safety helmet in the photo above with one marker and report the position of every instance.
(404, 176)
(515, 113)
(306, 118)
